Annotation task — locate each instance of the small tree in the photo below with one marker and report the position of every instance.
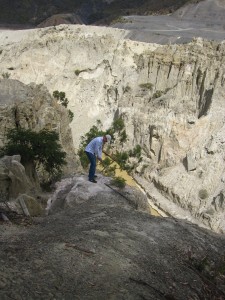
(61, 96)
(41, 148)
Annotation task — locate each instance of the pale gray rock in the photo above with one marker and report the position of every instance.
(76, 190)
(18, 191)
(191, 162)
(13, 178)
(102, 248)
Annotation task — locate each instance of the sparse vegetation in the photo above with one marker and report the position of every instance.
(77, 72)
(71, 115)
(157, 94)
(146, 86)
(119, 182)
(61, 96)
(127, 89)
(123, 136)
(203, 194)
(136, 152)
(6, 75)
(118, 125)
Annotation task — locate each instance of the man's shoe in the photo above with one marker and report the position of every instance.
(93, 180)
(95, 176)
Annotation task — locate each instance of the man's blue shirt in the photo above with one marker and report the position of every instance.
(95, 146)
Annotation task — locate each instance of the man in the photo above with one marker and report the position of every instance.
(93, 150)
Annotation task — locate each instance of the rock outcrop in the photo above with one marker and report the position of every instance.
(171, 98)
(18, 190)
(32, 107)
(13, 179)
(101, 247)
(77, 189)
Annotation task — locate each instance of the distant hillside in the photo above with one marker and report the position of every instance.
(33, 12)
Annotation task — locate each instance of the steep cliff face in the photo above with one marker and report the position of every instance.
(31, 106)
(171, 98)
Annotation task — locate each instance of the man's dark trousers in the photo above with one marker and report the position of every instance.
(92, 159)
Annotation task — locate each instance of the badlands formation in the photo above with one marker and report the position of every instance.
(171, 98)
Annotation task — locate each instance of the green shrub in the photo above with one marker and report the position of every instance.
(157, 94)
(121, 158)
(108, 168)
(77, 72)
(119, 182)
(61, 96)
(71, 115)
(136, 152)
(147, 86)
(118, 125)
(41, 148)
(123, 136)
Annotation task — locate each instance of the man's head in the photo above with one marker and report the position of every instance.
(107, 138)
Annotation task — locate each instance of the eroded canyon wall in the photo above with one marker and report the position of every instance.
(171, 98)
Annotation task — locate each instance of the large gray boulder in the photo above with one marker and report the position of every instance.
(76, 189)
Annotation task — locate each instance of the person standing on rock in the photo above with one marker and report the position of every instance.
(94, 150)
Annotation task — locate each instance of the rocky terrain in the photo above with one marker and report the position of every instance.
(95, 244)
(31, 106)
(170, 97)
(95, 241)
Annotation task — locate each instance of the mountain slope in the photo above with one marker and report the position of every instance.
(33, 12)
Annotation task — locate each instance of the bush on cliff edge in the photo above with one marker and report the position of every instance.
(41, 148)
